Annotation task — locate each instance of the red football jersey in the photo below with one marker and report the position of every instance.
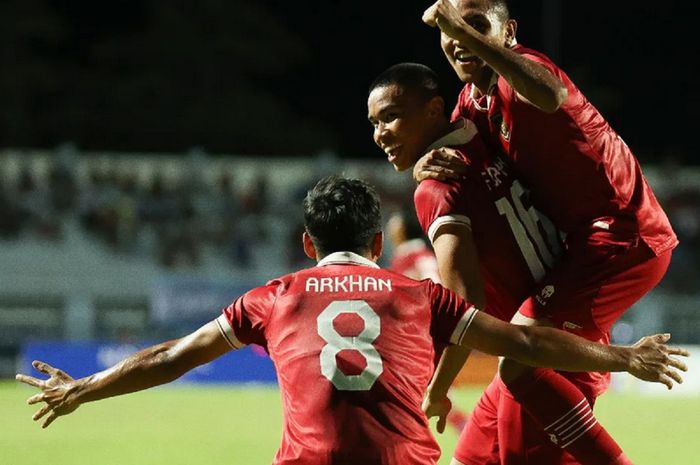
(353, 348)
(516, 244)
(580, 173)
(414, 259)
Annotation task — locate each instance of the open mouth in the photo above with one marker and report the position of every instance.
(465, 58)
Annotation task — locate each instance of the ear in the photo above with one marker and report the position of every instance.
(511, 29)
(309, 248)
(436, 106)
(377, 245)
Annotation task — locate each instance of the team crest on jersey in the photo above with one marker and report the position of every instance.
(498, 121)
(495, 174)
(545, 294)
(505, 131)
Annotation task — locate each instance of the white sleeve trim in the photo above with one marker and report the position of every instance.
(463, 325)
(447, 219)
(227, 332)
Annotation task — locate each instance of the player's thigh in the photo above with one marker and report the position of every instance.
(478, 442)
(587, 297)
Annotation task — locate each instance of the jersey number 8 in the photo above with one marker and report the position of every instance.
(361, 343)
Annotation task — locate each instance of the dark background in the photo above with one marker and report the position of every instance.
(289, 78)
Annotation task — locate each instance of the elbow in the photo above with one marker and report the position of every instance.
(556, 100)
(526, 346)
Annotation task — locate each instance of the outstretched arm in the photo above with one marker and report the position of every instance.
(650, 359)
(150, 367)
(532, 81)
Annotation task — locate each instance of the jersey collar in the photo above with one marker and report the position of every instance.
(464, 131)
(475, 99)
(346, 258)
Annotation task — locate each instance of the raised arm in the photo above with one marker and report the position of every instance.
(649, 359)
(533, 82)
(147, 368)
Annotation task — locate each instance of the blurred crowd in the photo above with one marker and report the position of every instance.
(177, 223)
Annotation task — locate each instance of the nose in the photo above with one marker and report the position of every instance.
(380, 133)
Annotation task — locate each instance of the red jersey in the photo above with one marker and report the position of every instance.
(516, 244)
(414, 259)
(580, 173)
(353, 348)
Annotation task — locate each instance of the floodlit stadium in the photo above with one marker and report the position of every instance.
(154, 161)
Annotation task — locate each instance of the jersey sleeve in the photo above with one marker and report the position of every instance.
(508, 94)
(451, 315)
(244, 321)
(438, 203)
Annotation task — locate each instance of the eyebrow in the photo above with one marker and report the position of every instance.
(382, 110)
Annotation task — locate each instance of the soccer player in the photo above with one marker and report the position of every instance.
(583, 176)
(352, 345)
(411, 256)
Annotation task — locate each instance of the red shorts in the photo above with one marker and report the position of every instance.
(585, 294)
(589, 291)
(478, 442)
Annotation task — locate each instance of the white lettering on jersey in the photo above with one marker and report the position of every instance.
(350, 283)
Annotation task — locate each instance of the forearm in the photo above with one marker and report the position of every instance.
(449, 366)
(529, 79)
(145, 369)
(549, 347)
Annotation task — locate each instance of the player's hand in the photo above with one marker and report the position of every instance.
(444, 15)
(437, 408)
(56, 392)
(443, 164)
(653, 361)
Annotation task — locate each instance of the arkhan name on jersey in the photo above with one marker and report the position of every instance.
(350, 283)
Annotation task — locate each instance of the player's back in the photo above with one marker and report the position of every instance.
(353, 348)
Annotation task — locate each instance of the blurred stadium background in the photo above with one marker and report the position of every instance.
(152, 160)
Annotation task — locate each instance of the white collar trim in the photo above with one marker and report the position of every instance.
(464, 131)
(473, 89)
(346, 258)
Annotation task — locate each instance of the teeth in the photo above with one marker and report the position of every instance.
(463, 56)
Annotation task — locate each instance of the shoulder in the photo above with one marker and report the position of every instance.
(537, 57)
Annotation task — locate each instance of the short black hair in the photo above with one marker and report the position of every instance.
(501, 8)
(342, 214)
(414, 76)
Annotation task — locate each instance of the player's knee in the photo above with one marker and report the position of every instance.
(509, 370)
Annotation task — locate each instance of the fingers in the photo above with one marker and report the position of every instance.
(41, 412)
(429, 15)
(678, 351)
(661, 338)
(30, 380)
(36, 398)
(52, 416)
(675, 363)
(44, 367)
(673, 374)
(663, 379)
(442, 422)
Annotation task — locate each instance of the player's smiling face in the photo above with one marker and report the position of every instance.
(402, 124)
(487, 21)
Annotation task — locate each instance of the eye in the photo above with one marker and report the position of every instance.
(482, 26)
(391, 116)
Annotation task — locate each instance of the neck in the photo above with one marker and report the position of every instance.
(482, 83)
